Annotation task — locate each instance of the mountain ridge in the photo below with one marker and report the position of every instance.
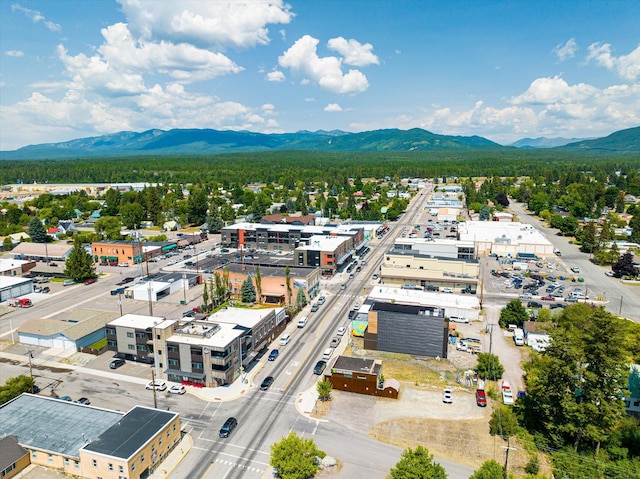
(195, 141)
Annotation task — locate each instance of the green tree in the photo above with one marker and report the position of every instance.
(513, 313)
(79, 265)
(132, 214)
(215, 223)
(625, 266)
(417, 464)
(109, 227)
(7, 244)
(287, 280)
(301, 298)
(13, 387)
(324, 389)
(489, 366)
(205, 297)
(295, 457)
(589, 239)
(197, 207)
(247, 291)
(485, 213)
(258, 284)
(37, 232)
(489, 470)
(503, 422)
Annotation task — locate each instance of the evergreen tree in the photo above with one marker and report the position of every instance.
(489, 470)
(324, 389)
(197, 207)
(37, 232)
(258, 284)
(489, 366)
(301, 298)
(7, 244)
(247, 291)
(79, 265)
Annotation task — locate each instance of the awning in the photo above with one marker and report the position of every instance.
(168, 247)
(112, 258)
(186, 374)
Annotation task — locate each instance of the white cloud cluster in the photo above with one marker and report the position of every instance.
(567, 50)
(36, 17)
(14, 53)
(302, 58)
(354, 52)
(331, 107)
(627, 66)
(275, 76)
(207, 23)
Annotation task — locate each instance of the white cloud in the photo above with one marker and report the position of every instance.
(276, 76)
(567, 50)
(210, 23)
(627, 66)
(14, 53)
(354, 52)
(326, 71)
(333, 107)
(309, 99)
(36, 17)
(553, 90)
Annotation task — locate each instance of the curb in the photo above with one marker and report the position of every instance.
(185, 445)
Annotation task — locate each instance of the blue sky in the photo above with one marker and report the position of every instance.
(499, 69)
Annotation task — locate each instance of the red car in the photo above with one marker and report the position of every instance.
(481, 398)
(90, 281)
(548, 298)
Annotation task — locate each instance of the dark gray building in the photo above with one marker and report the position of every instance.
(407, 329)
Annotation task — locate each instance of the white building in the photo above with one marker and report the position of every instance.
(505, 239)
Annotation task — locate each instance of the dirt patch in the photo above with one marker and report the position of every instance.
(447, 439)
(320, 409)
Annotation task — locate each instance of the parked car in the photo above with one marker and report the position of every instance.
(228, 427)
(319, 367)
(315, 307)
(65, 398)
(321, 300)
(447, 290)
(302, 322)
(526, 296)
(177, 389)
(335, 341)
(266, 382)
(534, 304)
(116, 363)
(273, 354)
(83, 400)
(158, 385)
(284, 340)
(481, 398)
(609, 273)
(90, 280)
(117, 291)
(46, 289)
(548, 298)
(459, 319)
(68, 282)
(447, 396)
(341, 331)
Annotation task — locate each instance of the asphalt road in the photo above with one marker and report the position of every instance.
(618, 298)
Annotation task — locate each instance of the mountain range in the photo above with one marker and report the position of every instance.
(206, 141)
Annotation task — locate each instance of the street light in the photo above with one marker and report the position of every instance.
(184, 286)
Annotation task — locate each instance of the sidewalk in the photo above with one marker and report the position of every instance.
(166, 467)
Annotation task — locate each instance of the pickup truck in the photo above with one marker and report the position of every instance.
(507, 393)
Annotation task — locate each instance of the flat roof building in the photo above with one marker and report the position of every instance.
(505, 238)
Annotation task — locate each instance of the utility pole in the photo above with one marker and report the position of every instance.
(620, 310)
(30, 353)
(120, 302)
(506, 457)
(153, 382)
(490, 338)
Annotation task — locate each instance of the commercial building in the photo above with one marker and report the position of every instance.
(506, 239)
(362, 376)
(49, 252)
(204, 353)
(89, 442)
(460, 305)
(80, 329)
(14, 287)
(159, 286)
(407, 329)
(117, 252)
(15, 267)
(273, 281)
(407, 268)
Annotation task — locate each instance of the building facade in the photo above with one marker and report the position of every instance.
(117, 252)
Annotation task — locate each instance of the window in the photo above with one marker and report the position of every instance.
(157, 336)
(168, 432)
(129, 334)
(111, 467)
(142, 347)
(172, 349)
(159, 352)
(142, 458)
(174, 427)
(160, 440)
(120, 470)
(34, 455)
(94, 463)
(76, 464)
(50, 458)
(112, 343)
(196, 366)
(174, 362)
(8, 470)
(131, 347)
(66, 462)
(133, 466)
(111, 331)
(153, 448)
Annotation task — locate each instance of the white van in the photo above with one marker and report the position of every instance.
(518, 337)
(302, 322)
(327, 354)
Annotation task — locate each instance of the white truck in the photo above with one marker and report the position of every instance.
(518, 337)
(507, 393)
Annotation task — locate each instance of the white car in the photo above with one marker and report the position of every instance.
(285, 339)
(447, 290)
(447, 396)
(158, 385)
(177, 389)
(341, 331)
(609, 273)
